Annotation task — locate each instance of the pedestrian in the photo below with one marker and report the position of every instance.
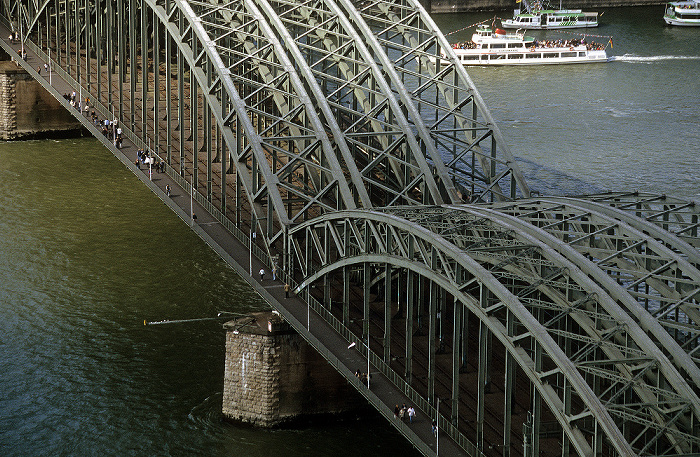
(402, 413)
(274, 272)
(38, 70)
(167, 190)
(262, 274)
(396, 411)
(286, 291)
(411, 414)
(434, 427)
(46, 67)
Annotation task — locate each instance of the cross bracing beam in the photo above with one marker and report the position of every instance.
(660, 284)
(440, 87)
(673, 215)
(604, 342)
(325, 109)
(263, 65)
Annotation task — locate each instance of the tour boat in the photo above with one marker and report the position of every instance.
(496, 47)
(683, 13)
(536, 17)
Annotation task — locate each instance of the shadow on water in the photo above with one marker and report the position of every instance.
(547, 181)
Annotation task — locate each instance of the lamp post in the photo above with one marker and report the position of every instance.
(365, 327)
(21, 31)
(250, 250)
(192, 202)
(437, 429)
(150, 159)
(368, 355)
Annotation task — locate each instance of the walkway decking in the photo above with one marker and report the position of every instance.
(236, 254)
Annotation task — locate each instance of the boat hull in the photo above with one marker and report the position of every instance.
(529, 58)
(682, 22)
(507, 25)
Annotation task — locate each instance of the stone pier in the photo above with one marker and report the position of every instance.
(27, 110)
(273, 377)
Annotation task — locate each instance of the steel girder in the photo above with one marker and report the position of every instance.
(654, 280)
(322, 108)
(399, 121)
(673, 215)
(541, 299)
(441, 88)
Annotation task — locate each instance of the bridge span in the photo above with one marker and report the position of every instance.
(343, 143)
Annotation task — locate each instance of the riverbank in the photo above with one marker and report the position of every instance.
(460, 6)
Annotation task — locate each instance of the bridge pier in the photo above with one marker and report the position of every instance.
(274, 377)
(27, 110)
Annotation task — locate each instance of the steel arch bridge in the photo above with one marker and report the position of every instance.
(349, 138)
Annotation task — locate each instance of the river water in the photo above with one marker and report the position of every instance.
(87, 253)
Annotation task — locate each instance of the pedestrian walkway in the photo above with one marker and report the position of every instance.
(382, 392)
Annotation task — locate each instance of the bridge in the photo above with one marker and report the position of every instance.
(342, 143)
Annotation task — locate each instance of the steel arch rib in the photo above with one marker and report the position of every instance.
(271, 180)
(667, 237)
(317, 124)
(238, 104)
(609, 294)
(536, 330)
(538, 237)
(681, 357)
(643, 205)
(414, 8)
(321, 102)
(388, 69)
(314, 27)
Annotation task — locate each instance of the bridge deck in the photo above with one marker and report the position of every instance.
(382, 392)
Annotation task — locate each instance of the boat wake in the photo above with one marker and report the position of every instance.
(649, 59)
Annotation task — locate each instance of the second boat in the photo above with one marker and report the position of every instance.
(496, 47)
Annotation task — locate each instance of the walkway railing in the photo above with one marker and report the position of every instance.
(445, 425)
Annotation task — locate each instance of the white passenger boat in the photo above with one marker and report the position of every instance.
(683, 13)
(496, 47)
(537, 17)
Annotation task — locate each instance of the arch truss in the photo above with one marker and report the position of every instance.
(471, 304)
(351, 139)
(278, 111)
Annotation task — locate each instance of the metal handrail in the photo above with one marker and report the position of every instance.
(420, 402)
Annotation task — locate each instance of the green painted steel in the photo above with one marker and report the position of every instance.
(345, 143)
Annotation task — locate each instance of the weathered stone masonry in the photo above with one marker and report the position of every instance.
(29, 111)
(272, 376)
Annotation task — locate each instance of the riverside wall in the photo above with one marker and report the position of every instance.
(273, 377)
(452, 6)
(27, 110)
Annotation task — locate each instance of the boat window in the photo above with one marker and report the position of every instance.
(498, 45)
(470, 57)
(550, 54)
(515, 56)
(568, 54)
(533, 55)
(582, 54)
(515, 45)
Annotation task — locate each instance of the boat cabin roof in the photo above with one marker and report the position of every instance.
(689, 4)
(484, 31)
